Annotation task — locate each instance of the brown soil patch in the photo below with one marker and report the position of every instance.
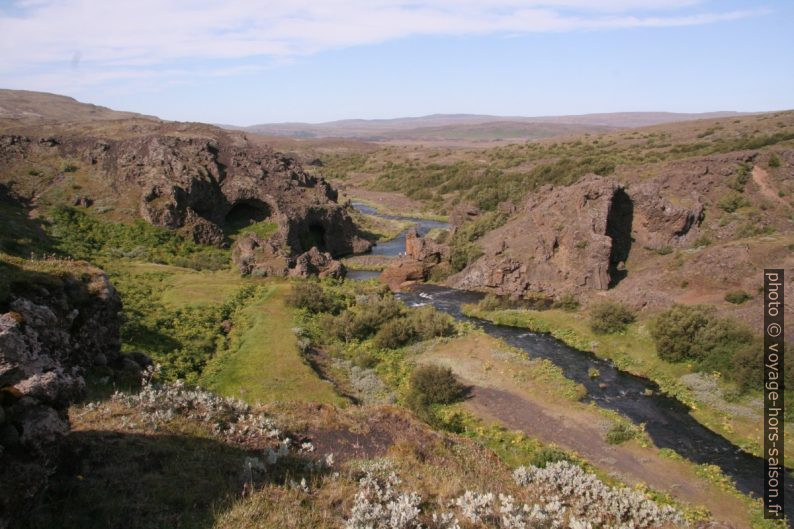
(761, 179)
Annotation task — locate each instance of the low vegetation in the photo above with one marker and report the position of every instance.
(430, 385)
(713, 344)
(609, 317)
(82, 235)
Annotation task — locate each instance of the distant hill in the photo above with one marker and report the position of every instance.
(32, 107)
(474, 127)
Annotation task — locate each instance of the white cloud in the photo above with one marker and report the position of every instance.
(109, 40)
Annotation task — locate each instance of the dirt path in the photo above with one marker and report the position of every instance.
(761, 179)
(631, 464)
(503, 392)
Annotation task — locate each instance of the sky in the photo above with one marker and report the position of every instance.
(245, 62)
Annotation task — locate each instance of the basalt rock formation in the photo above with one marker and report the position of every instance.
(54, 328)
(576, 237)
(202, 181)
(268, 257)
(421, 256)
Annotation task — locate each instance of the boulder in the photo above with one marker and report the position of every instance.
(315, 262)
(50, 333)
(403, 273)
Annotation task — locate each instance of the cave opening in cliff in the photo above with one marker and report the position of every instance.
(619, 220)
(246, 212)
(315, 236)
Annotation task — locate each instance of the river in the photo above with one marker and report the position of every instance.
(667, 421)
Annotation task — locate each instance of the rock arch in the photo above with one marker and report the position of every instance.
(246, 212)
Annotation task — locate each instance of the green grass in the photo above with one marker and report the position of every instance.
(207, 288)
(263, 230)
(86, 236)
(263, 362)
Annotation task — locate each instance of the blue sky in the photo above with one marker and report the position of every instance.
(246, 62)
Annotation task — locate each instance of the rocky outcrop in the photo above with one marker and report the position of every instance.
(424, 250)
(204, 182)
(270, 257)
(53, 328)
(658, 223)
(403, 273)
(421, 256)
(576, 237)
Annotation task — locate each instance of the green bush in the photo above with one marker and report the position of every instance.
(622, 432)
(492, 302)
(714, 344)
(676, 329)
(737, 297)
(420, 324)
(610, 317)
(740, 178)
(395, 333)
(372, 312)
(774, 161)
(567, 302)
(463, 255)
(433, 384)
(732, 202)
(748, 366)
(313, 297)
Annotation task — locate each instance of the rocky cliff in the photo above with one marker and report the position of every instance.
(577, 237)
(204, 182)
(59, 319)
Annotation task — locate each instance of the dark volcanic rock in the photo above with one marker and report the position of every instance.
(205, 183)
(50, 332)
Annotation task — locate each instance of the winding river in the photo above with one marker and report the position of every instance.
(667, 421)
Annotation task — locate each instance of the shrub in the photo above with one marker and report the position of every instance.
(491, 302)
(610, 317)
(86, 236)
(732, 201)
(664, 250)
(395, 333)
(421, 324)
(714, 344)
(69, 168)
(741, 176)
(737, 297)
(567, 302)
(774, 161)
(717, 343)
(312, 297)
(372, 312)
(433, 384)
(676, 329)
(429, 323)
(622, 432)
(463, 255)
(748, 366)
(702, 241)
